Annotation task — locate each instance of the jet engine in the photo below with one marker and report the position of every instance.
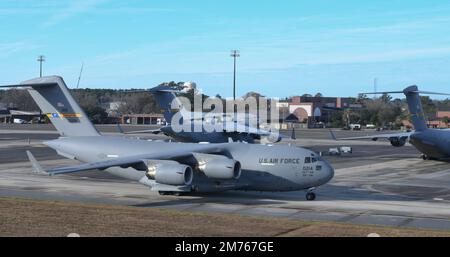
(218, 166)
(271, 138)
(169, 172)
(397, 141)
(274, 137)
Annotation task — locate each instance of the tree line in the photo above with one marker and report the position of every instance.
(384, 111)
(380, 111)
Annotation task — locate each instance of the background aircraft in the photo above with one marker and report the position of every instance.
(234, 128)
(432, 143)
(172, 168)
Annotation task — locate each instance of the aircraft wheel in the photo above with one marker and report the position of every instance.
(310, 196)
(171, 193)
(426, 157)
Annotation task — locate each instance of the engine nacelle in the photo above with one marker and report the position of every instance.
(397, 141)
(169, 172)
(218, 167)
(271, 138)
(274, 137)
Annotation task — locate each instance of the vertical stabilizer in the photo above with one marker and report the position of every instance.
(415, 108)
(54, 99)
(165, 96)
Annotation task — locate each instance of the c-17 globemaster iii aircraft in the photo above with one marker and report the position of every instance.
(432, 143)
(231, 127)
(172, 168)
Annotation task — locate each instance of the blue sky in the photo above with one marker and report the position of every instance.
(287, 47)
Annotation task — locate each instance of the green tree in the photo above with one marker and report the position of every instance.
(386, 98)
(96, 114)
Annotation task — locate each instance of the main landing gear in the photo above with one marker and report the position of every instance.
(426, 157)
(310, 195)
(171, 193)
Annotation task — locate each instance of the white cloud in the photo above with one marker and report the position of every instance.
(7, 49)
(74, 8)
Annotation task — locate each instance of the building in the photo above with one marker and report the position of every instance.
(442, 114)
(16, 116)
(438, 121)
(312, 110)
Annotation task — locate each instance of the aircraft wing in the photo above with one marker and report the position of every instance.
(135, 161)
(153, 131)
(374, 137)
(240, 128)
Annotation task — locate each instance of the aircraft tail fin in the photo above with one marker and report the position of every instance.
(415, 108)
(54, 99)
(414, 104)
(164, 96)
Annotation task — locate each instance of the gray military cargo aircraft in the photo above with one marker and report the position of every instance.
(172, 168)
(432, 143)
(233, 129)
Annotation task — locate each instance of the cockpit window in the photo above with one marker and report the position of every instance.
(313, 159)
(307, 159)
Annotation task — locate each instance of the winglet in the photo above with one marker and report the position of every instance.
(119, 128)
(333, 136)
(36, 166)
(293, 134)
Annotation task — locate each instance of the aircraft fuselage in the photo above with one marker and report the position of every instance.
(264, 168)
(434, 143)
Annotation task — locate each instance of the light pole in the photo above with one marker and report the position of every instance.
(40, 59)
(234, 54)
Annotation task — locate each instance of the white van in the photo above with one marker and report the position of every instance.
(19, 121)
(355, 126)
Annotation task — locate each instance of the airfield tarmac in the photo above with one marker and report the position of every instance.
(376, 184)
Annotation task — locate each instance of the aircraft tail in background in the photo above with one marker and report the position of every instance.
(165, 96)
(412, 94)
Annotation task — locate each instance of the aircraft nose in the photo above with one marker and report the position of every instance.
(328, 172)
(50, 143)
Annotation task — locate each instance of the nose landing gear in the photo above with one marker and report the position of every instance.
(310, 195)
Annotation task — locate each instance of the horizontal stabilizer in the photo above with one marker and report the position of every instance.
(165, 89)
(408, 90)
(32, 85)
(402, 92)
(36, 166)
(385, 92)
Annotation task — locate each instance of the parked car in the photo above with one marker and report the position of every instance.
(355, 126)
(19, 121)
